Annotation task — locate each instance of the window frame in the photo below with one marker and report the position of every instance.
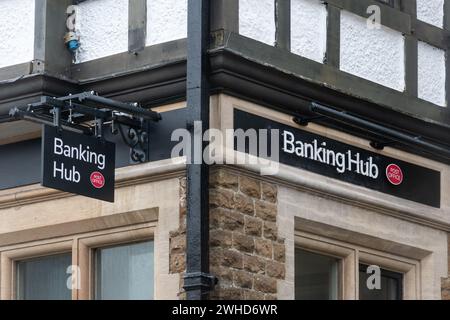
(82, 247)
(353, 255)
(88, 245)
(340, 259)
(9, 259)
(346, 256)
(388, 274)
(16, 272)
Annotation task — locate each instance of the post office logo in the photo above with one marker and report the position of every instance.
(97, 180)
(394, 174)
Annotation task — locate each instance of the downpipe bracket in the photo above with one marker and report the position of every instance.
(200, 280)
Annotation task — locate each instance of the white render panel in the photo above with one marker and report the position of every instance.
(431, 74)
(166, 20)
(373, 54)
(431, 11)
(257, 20)
(16, 32)
(103, 28)
(309, 29)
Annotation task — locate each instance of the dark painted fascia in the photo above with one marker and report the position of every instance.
(12, 73)
(150, 87)
(241, 67)
(329, 79)
(260, 90)
(287, 92)
(155, 75)
(30, 88)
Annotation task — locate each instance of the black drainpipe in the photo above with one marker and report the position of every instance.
(197, 281)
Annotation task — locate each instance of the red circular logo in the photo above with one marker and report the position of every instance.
(394, 174)
(97, 180)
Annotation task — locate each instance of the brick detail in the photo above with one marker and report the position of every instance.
(246, 253)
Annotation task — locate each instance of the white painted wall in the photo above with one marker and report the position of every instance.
(431, 11)
(431, 74)
(257, 20)
(16, 32)
(309, 29)
(374, 54)
(166, 20)
(103, 28)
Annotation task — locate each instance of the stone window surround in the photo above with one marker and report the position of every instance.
(427, 222)
(351, 256)
(81, 247)
(122, 216)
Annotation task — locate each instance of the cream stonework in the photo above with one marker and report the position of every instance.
(350, 216)
(153, 185)
(256, 222)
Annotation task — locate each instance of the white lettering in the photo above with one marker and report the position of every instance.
(63, 173)
(352, 162)
(340, 161)
(318, 151)
(288, 145)
(374, 171)
(79, 152)
(58, 146)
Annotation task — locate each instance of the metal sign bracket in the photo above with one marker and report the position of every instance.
(88, 113)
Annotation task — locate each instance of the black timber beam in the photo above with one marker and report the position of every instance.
(137, 25)
(50, 53)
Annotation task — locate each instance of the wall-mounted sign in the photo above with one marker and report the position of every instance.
(78, 164)
(331, 158)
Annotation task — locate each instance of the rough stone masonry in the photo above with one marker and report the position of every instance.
(246, 253)
(446, 281)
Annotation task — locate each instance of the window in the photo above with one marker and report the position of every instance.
(329, 269)
(114, 263)
(124, 272)
(316, 276)
(391, 284)
(43, 278)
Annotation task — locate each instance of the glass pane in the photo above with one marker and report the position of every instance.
(391, 285)
(316, 276)
(44, 278)
(125, 272)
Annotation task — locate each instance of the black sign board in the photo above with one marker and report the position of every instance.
(78, 164)
(331, 158)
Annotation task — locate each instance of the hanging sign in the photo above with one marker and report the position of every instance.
(331, 158)
(78, 164)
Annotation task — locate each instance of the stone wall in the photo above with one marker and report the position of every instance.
(246, 253)
(178, 242)
(446, 281)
